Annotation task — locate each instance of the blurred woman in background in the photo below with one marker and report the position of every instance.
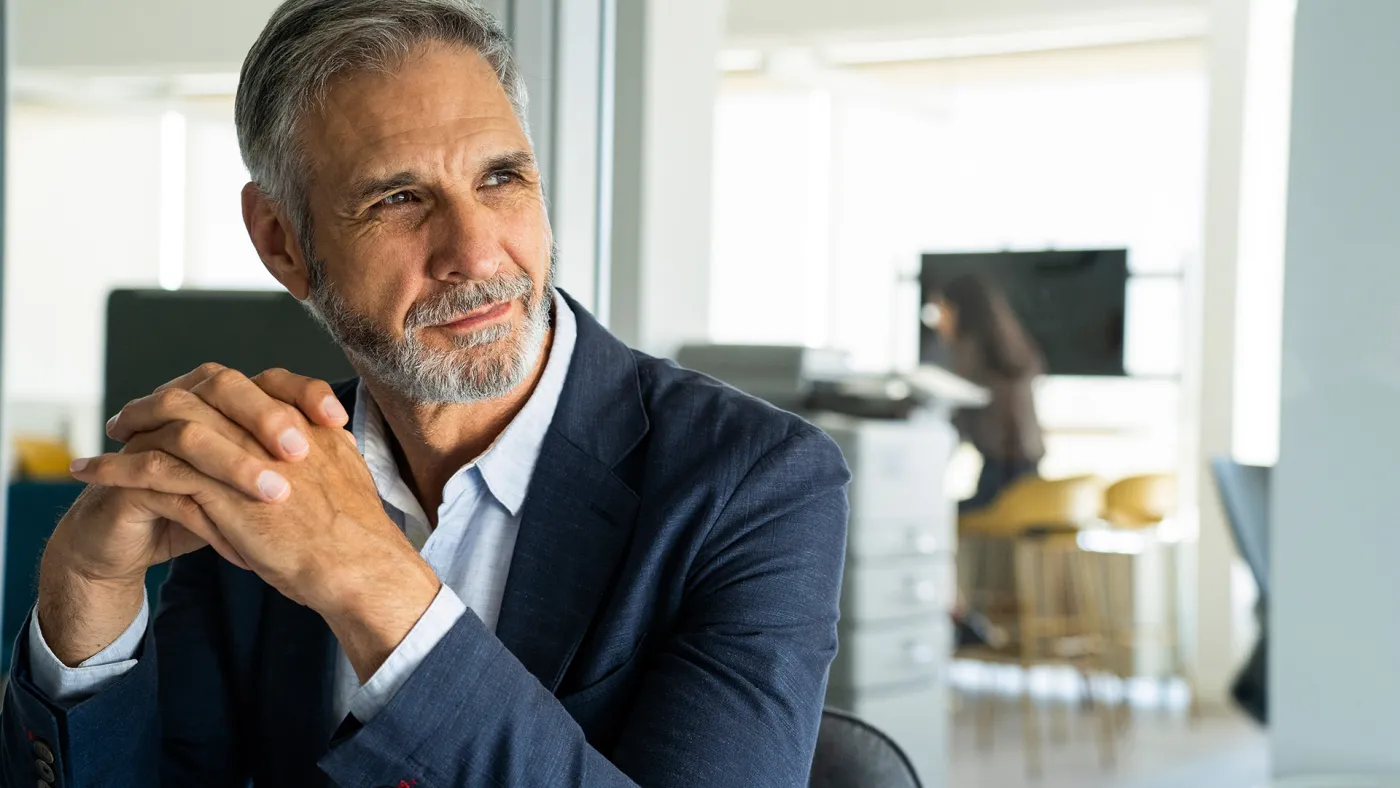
(988, 346)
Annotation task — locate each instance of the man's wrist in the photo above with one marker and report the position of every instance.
(370, 619)
(81, 616)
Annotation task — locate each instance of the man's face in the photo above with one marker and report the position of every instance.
(429, 229)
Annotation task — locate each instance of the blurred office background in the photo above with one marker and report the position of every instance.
(773, 173)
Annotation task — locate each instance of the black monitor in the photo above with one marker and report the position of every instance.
(154, 336)
(1072, 303)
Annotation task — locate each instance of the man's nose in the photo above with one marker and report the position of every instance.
(467, 243)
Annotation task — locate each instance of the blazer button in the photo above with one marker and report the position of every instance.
(45, 784)
(45, 770)
(42, 751)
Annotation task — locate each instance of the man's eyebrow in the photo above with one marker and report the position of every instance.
(516, 160)
(368, 188)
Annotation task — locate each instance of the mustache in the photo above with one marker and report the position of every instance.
(468, 297)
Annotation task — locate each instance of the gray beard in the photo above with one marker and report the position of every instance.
(485, 365)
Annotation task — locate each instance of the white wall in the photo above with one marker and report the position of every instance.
(663, 149)
(218, 253)
(85, 217)
(85, 186)
(1334, 687)
(827, 193)
(81, 218)
(772, 204)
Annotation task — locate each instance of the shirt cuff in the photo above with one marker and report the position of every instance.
(435, 623)
(68, 686)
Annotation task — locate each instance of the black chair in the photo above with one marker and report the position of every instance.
(1244, 492)
(854, 754)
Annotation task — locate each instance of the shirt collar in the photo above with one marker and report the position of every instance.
(507, 466)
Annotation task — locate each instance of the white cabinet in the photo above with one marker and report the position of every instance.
(898, 466)
(896, 588)
(899, 585)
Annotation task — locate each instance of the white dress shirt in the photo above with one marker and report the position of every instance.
(470, 550)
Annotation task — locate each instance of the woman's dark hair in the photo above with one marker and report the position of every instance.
(985, 319)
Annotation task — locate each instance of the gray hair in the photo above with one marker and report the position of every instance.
(309, 42)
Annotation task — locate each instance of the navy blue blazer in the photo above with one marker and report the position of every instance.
(669, 619)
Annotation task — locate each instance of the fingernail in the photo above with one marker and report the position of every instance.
(272, 486)
(293, 443)
(334, 410)
(110, 422)
(78, 465)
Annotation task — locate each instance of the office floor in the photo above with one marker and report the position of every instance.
(1161, 749)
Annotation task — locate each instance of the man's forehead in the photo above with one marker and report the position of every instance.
(439, 94)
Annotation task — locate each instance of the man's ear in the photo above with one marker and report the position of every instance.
(276, 241)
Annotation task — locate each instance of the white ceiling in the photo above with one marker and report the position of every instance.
(212, 36)
(752, 21)
(137, 35)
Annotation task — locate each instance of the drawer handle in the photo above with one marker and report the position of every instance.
(921, 652)
(923, 591)
(924, 544)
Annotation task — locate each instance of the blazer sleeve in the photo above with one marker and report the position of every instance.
(114, 739)
(733, 697)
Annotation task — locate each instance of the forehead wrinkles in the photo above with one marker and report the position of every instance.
(372, 128)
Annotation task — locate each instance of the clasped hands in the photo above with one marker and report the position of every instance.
(261, 470)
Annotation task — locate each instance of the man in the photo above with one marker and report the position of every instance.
(558, 561)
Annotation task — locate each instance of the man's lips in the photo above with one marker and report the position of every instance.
(477, 316)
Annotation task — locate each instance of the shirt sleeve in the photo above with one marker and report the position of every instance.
(68, 686)
(435, 623)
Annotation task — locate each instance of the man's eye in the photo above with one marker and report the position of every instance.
(500, 178)
(397, 198)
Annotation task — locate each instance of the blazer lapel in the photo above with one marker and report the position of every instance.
(574, 528)
(578, 516)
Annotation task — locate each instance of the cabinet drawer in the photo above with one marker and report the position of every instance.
(888, 483)
(901, 537)
(902, 654)
(897, 467)
(896, 588)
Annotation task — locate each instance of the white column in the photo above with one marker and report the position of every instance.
(666, 81)
(1335, 643)
(565, 58)
(1213, 387)
(1235, 387)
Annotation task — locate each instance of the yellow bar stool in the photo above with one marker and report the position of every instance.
(1056, 602)
(1140, 505)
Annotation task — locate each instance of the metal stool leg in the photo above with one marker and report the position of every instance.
(1028, 570)
(1091, 601)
